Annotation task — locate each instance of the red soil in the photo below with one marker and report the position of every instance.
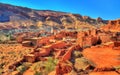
(104, 73)
(28, 72)
(104, 57)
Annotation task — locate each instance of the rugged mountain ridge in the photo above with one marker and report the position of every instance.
(16, 16)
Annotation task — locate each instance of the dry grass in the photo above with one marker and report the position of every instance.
(10, 53)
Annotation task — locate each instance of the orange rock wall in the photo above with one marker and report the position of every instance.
(93, 37)
(113, 25)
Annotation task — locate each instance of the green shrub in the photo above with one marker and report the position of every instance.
(36, 66)
(23, 67)
(50, 64)
(43, 68)
(27, 64)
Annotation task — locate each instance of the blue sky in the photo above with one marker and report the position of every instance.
(106, 9)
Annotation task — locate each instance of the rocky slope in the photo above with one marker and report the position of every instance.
(113, 25)
(16, 16)
(66, 53)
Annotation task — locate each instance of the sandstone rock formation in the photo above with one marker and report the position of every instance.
(113, 25)
(100, 45)
(93, 37)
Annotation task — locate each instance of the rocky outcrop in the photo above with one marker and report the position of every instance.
(27, 44)
(113, 25)
(94, 37)
(27, 36)
(105, 38)
(70, 48)
(30, 58)
(116, 44)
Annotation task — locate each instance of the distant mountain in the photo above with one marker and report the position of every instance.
(16, 16)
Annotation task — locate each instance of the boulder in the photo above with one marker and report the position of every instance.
(27, 43)
(82, 34)
(87, 41)
(90, 40)
(30, 58)
(94, 32)
(61, 45)
(105, 38)
(63, 67)
(116, 44)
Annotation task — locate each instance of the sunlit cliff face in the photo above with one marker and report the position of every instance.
(113, 25)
